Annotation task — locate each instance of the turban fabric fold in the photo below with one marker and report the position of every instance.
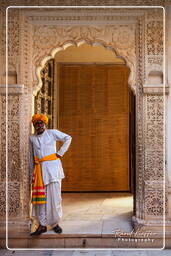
(39, 117)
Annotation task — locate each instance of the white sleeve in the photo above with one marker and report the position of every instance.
(31, 161)
(65, 138)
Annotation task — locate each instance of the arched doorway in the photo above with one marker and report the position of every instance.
(85, 92)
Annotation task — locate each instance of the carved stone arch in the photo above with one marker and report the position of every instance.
(122, 55)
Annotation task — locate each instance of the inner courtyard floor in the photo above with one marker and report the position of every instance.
(96, 213)
(90, 220)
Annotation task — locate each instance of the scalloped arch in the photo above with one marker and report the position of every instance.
(131, 80)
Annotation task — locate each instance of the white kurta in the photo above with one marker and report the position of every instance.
(45, 144)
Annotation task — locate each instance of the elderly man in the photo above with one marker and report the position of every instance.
(46, 173)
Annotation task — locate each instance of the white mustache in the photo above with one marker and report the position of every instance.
(39, 128)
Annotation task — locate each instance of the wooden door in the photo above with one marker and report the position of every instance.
(93, 102)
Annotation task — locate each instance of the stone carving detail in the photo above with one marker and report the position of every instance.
(154, 122)
(155, 38)
(157, 60)
(14, 163)
(154, 135)
(103, 2)
(13, 107)
(139, 128)
(153, 169)
(154, 139)
(2, 200)
(85, 2)
(17, 161)
(155, 14)
(2, 157)
(2, 139)
(14, 202)
(13, 38)
(44, 97)
(25, 130)
(47, 38)
(154, 199)
(3, 36)
(155, 107)
(154, 41)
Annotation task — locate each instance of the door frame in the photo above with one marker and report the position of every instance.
(131, 150)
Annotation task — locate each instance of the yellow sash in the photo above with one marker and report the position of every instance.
(38, 190)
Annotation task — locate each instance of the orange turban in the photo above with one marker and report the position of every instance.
(39, 117)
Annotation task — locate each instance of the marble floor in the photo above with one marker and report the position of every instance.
(96, 213)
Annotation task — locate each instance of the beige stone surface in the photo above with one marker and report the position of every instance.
(82, 226)
(96, 213)
(46, 243)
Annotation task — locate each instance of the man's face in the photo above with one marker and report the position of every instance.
(39, 127)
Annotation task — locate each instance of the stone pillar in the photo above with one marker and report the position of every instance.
(153, 185)
(150, 210)
(18, 127)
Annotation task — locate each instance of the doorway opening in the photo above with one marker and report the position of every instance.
(85, 93)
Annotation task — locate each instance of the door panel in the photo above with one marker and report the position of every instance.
(94, 110)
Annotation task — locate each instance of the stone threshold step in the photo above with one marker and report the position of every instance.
(82, 242)
(52, 235)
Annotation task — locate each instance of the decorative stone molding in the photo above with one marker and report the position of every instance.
(120, 30)
(159, 90)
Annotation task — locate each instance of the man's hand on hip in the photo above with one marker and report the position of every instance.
(58, 156)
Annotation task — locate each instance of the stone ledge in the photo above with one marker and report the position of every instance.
(82, 242)
(12, 89)
(155, 89)
(56, 236)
